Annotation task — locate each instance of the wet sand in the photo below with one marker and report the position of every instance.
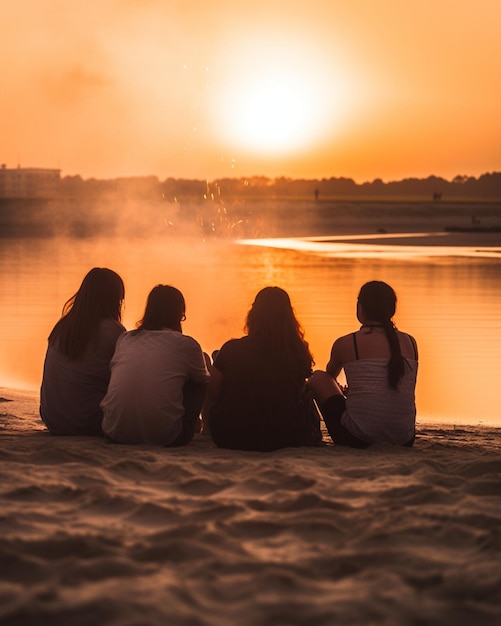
(239, 218)
(481, 222)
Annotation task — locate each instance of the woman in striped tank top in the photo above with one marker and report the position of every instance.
(380, 364)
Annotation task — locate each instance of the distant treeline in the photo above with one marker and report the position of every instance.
(487, 186)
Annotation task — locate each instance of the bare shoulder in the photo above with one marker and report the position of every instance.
(344, 340)
(408, 345)
(342, 348)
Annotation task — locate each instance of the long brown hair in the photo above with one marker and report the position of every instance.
(272, 324)
(378, 301)
(99, 297)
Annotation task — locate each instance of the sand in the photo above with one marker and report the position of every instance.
(103, 534)
(331, 218)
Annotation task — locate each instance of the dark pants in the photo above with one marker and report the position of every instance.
(193, 400)
(332, 411)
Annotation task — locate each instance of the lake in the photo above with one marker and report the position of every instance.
(449, 298)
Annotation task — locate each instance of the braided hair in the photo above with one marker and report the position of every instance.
(378, 301)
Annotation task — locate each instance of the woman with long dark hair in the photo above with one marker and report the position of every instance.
(380, 363)
(77, 363)
(257, 387)
(158, 377)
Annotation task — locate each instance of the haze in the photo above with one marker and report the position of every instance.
(213, 89)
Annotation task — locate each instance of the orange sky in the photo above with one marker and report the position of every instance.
(198, 89)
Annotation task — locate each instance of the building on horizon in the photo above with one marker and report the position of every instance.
(29, 182)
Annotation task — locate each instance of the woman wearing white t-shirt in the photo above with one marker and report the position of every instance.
(158, 377)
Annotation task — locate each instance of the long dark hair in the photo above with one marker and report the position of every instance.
(165, 308)
(378, 301)
(272, 324)
(99, 297)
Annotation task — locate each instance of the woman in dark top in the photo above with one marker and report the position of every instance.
(77, 364)
(257, 386)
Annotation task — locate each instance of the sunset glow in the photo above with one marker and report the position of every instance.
(272, 116)
(202, 90)
(269, 103)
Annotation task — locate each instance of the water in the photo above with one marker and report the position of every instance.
(448, 298)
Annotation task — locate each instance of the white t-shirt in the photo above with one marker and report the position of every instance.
(144, 401)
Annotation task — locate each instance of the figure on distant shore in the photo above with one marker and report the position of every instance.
(257, 389)
(158, 377)
(77, 363)
(380, 364)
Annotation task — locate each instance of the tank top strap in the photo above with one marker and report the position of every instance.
(355, 344)
(413, 341)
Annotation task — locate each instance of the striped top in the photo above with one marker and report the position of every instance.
(374, 411)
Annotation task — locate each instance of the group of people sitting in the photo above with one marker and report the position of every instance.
(154, 385)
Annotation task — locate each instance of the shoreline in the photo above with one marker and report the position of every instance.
(252, 218)
(466, 239)
(25, 401)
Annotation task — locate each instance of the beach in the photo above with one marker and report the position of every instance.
(97, 533)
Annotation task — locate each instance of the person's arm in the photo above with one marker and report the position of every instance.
(217, 369)
(197, 368)
(335, 364)
(215, 384)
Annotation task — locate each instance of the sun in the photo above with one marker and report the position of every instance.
(273, 113)
(276, 101)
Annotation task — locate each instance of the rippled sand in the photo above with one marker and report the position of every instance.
(96, 533)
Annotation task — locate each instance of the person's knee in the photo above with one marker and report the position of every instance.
(317, 379)
(323, 386)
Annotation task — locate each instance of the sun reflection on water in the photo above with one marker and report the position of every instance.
(350, 246)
